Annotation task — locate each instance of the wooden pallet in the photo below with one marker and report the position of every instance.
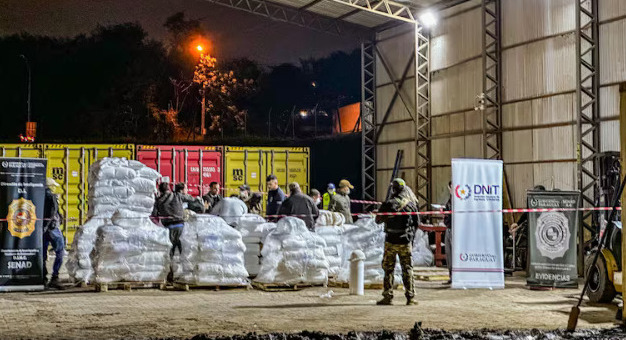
(187, 286)
(432, 276)
(377, 286)
(281, 287)
(128, 286)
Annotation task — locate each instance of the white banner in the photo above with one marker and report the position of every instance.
(477, 250)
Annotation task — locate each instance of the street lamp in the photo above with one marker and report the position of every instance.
(199, 48)
(29, 79)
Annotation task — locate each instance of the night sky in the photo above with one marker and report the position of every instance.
(234, 33)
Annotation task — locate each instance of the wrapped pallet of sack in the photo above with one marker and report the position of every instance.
(332, 235)
(327, 218)
(79, 260)
(292, 255)
(369, 237)
(212, 253)
(422, 255)
(113, 183)
(253, 239)
(132, 249)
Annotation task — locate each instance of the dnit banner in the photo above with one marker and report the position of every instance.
(22, 197)
(552, 239)
(477, 254)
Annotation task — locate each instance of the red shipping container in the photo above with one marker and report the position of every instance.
(182, 163)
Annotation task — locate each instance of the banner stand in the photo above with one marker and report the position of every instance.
(552, 239)
(477, 251)
(22, 199)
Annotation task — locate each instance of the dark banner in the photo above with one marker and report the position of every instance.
(22, 197)
(552, 239)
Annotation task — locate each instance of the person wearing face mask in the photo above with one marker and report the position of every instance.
(330, 192)
(316, 197)
(341, 201)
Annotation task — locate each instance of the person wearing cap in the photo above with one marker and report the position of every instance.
(330, 192)
(316, 197)
(341, 201)
(300, 204)
(252, 199)
(275, 196)
(52, 235)
(399, 234)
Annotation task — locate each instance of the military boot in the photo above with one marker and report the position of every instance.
(386, 301)
(411, 302)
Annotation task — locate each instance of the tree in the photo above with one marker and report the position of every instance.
(220, 88)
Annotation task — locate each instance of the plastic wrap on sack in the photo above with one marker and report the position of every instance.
(79, 263)
(369, 237)
(292, 254)
(212, 252)
(422, 255)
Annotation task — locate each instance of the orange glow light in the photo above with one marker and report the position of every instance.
(199, 47)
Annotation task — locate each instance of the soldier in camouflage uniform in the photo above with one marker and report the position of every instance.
(400, 231)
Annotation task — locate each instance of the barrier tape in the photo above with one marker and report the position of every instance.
(435, 212)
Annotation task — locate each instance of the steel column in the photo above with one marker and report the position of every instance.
(588, 104)
(368, 120)
(423, 157)
(491, 97)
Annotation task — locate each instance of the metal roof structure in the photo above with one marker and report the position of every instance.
(344, 17)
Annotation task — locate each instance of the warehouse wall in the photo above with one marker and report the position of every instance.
(539, 100)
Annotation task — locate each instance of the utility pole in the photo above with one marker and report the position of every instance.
(202, 119)
(29, 85)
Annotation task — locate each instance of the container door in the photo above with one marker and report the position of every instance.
(160, 158)
(202, 166)
(21, 150)
(289, 165)
(243, 166)
(69, 167)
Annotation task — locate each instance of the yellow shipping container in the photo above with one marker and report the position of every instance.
(251, 165)
(68, 164)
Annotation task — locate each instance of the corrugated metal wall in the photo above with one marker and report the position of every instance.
(396, 46)
(539, 92)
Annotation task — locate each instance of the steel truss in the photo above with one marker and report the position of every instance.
(387, 8)
(588, 103)
(292, 15)
(423, 151)
(368, 120)
(491, 98)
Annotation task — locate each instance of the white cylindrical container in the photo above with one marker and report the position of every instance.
(357, 271)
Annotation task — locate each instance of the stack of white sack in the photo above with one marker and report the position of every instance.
(292, 254)
(113, 183)
(327, 218)
(79, 264)
(367, 236)
(132, 248)
(334, 247)
(422, 255)
(212, 253)
(253, 229)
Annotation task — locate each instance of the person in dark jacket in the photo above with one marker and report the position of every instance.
(169, 209)
(275, 196)
(340, 202)
(52, 235)
(212, 197)
(316, 197)
(400, 231)
(300, 204)
(194, 204)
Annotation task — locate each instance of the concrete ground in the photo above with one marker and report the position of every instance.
(149, 313)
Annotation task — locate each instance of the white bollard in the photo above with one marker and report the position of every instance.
(357, 271)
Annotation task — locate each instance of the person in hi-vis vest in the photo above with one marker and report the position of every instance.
(330, 191)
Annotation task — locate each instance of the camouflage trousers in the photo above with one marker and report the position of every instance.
(403, 251)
